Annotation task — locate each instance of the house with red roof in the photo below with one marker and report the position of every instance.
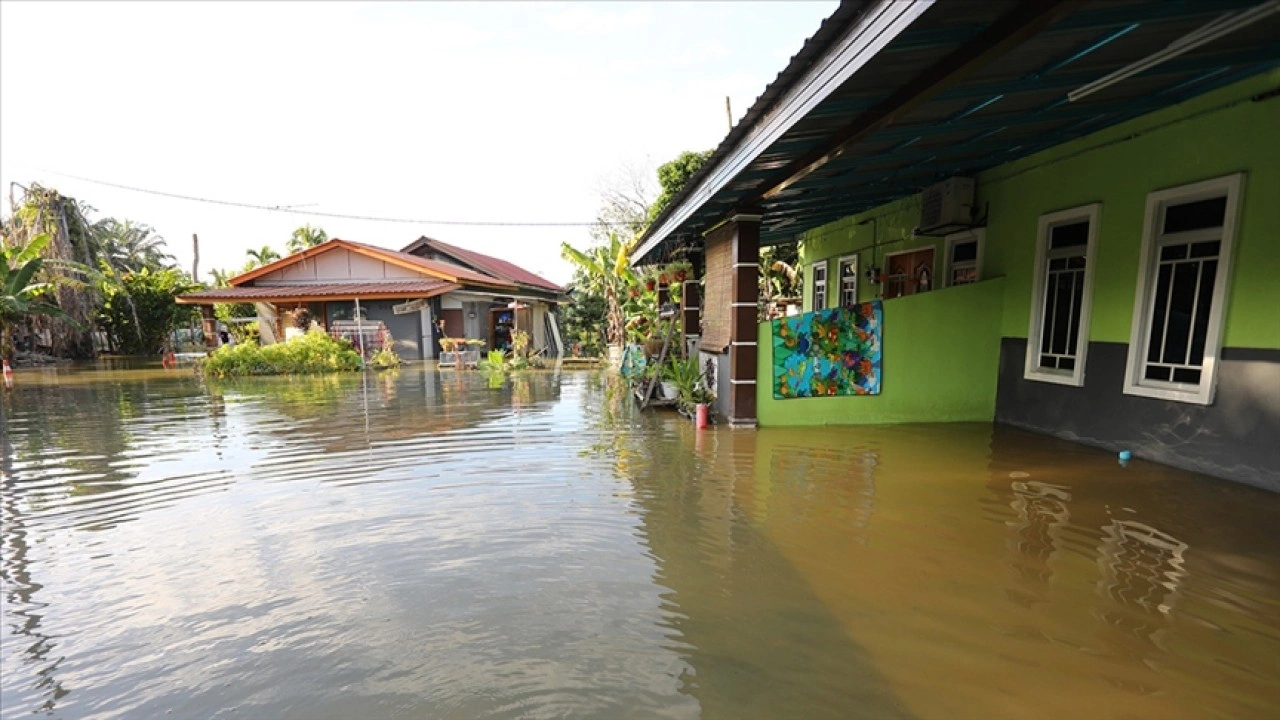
(397, 298)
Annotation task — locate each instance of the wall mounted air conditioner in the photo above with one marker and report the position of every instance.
(947, 206)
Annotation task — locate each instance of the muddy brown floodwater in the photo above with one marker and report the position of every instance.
(423, 545)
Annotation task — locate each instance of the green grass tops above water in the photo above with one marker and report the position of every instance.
(314, 352)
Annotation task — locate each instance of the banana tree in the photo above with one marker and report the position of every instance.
(21, 296)
(607, 268)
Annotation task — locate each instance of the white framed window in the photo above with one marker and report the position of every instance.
(964, 257)
(1184, 272)
(1061, 295)
(820, 285)
(848, 281)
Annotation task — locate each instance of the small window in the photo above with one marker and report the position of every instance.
(1181, 295)
(1058, 337)
(820, 285)
(908, 273)
(964, 257)
(849, 281)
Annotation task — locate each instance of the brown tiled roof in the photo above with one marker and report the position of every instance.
(433, 268)
(324, 291)
(496, 267)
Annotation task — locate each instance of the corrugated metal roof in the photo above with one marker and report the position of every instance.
(1011, 104)
(496, 267)
(336, 291)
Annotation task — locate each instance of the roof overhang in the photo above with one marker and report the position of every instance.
(320, 292)
(889, 97)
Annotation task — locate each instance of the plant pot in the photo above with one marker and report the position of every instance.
(650, 285)
(669, 390)
(615, 356)
(680, 276)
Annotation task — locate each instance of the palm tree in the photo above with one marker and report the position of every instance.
(20, 296)
(262, 256)
(306, 237)
(131, 247)
(608, 272)
(221, 278)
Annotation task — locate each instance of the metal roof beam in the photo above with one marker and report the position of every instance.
(1006, 33)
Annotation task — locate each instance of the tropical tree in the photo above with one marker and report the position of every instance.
(262, 256)
(221, 278)
(672, 177)
(130, 247)
(21, 295)
(139, 310)
(306, 237)
(73, 243)
(606, 270)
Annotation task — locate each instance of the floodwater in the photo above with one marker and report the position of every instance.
(423, 545)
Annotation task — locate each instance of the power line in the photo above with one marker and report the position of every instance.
(340, 216)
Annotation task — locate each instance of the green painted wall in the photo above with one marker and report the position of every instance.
(1219, 133)
(942, 350)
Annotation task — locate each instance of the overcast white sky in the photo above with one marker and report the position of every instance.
(449, 111)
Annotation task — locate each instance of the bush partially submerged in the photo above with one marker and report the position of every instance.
(314, 352)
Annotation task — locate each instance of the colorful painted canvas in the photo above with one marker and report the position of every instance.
(828, 352)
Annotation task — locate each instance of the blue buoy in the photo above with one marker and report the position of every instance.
(1125, 456)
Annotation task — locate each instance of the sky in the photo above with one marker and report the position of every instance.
(495, 112)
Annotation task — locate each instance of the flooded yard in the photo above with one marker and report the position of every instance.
(423, 545)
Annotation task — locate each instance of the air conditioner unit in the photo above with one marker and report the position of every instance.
(949, 204)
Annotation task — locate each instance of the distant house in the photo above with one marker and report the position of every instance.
(1067, 210)
(400, 295)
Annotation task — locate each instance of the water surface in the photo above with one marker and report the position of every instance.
(424, 545)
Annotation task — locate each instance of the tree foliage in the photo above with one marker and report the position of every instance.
(605, 271)
(672, 177)
(139, 311)
(306, 237)
(21, 294)
(73, 241)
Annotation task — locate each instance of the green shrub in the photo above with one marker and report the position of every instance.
(314, 352)
(384, 359)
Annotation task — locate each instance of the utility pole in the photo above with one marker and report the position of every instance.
(195, 262)
(728, 111)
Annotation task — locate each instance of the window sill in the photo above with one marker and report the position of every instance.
(1199, 396)
(1071, 380)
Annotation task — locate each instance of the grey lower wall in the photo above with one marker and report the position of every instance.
(1236, 438)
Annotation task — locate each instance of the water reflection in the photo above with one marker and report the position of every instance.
(424, 544)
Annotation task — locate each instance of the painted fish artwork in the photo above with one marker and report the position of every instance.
(828, 352)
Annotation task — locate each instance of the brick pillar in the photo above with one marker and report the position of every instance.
(744, 324)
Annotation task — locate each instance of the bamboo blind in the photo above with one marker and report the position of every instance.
(717, 291)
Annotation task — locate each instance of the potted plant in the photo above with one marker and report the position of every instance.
(651, 282)
(668, 374)
(679, 270)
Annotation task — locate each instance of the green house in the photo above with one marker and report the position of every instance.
(1069, 212)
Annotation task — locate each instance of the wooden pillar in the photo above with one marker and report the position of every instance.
(744, 322)
(209, 324)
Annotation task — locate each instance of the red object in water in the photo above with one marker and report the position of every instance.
(8, 374)
(700, 416)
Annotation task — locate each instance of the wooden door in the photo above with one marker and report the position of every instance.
(452, 322)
